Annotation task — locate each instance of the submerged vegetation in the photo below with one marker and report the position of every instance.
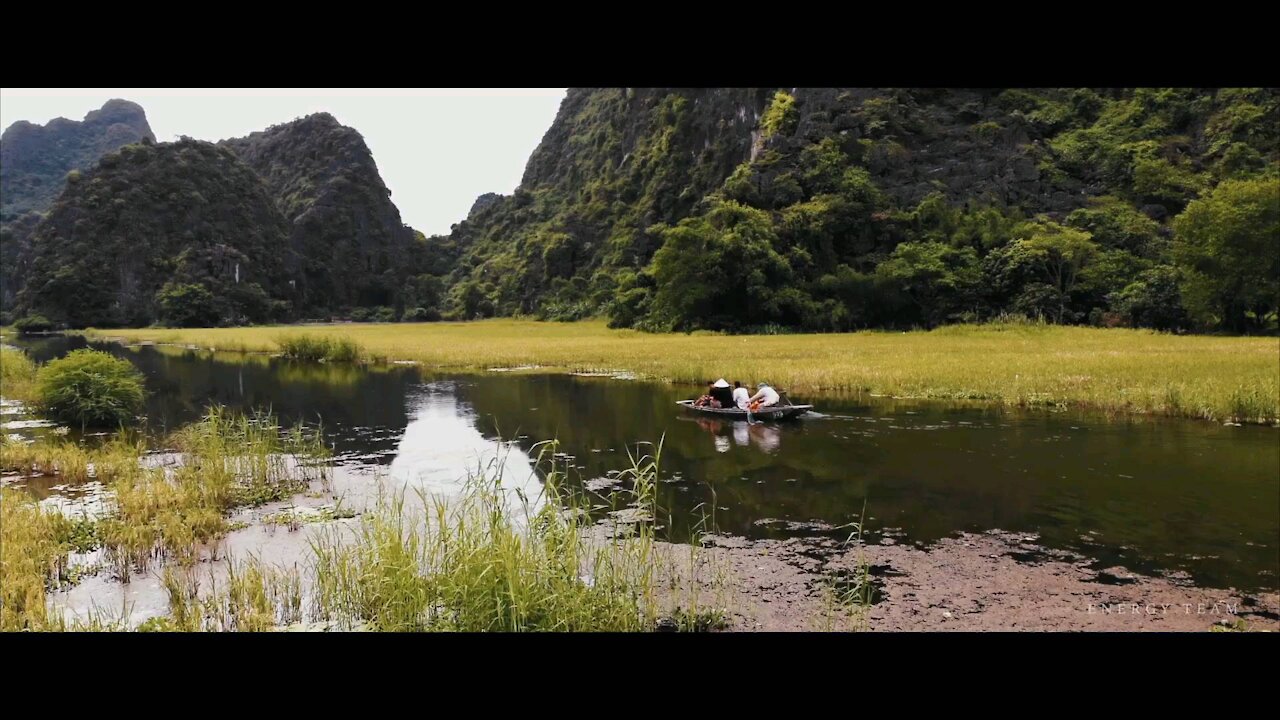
(224, 461)
(486, 563)
(488, 560)
(1019, 363)
(165, 507)
(33, 558)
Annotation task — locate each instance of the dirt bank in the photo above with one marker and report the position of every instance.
(977, 582)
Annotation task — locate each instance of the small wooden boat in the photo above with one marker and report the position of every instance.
(773, 412)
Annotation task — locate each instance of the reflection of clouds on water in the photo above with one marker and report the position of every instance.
(441, 445)
(722, 443)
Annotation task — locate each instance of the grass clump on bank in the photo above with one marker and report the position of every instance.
(17, 375)
(489, 560)
(35, 548)
(31, 324)
(249, 459)
(70, 461)
(223, 461)
(1116, 370)
(33, 560)
(485, 563)
(90, 388)
(317, 348)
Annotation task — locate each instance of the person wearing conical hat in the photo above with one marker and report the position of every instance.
(722, 393)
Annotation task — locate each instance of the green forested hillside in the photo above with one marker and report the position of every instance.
(349, 247)
(835, 209)
(178, 232)
(741, 209)
(158, 233)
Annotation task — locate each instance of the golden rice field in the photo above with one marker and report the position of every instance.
(1116, 370)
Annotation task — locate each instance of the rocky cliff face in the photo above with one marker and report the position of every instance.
(35, 159)
(839, 178)
(483, 202)
(34, 163)
(614, 162)
(349, 246)
(667, 208)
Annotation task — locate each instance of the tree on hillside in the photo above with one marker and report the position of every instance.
(720, 271)
(1060, 253)
(188, 305)
(1227, 246)
(938, 279)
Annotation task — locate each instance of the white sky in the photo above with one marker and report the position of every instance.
(436, 148)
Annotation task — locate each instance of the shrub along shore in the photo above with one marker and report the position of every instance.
(1119, 371)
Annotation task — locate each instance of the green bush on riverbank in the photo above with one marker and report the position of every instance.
(90, 388)
(316, 348)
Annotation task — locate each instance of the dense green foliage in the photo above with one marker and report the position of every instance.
(574, 235)
(90, 388)
(831, 209)
(35, 323)
(182, 230)
(1228, 246)
(188, 305)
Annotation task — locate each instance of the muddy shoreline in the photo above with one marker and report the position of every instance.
(993, 581)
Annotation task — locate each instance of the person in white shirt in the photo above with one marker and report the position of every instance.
(741, 396)
(764, 397)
